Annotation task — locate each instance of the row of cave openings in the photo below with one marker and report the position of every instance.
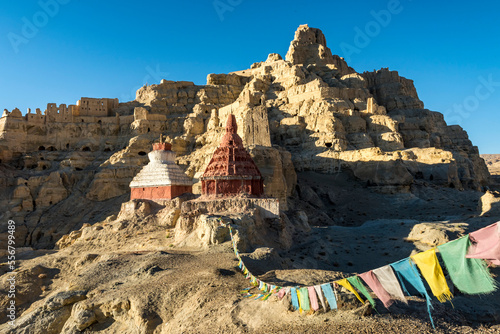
(84, 149)
(52, 148)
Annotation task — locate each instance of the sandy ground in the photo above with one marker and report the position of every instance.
(198, 292)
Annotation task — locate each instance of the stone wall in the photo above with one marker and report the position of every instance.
(95, 107)
(268, 207)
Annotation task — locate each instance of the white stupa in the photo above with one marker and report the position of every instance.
(161, 178)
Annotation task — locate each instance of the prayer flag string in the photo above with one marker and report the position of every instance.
(464, 258)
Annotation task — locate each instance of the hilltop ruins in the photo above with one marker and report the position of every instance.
(309, 112)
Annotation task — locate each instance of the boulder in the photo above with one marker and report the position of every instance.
(489, 204)
(429, 235)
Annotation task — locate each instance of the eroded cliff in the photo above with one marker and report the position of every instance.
(309, 112)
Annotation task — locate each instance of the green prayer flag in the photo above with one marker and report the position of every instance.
(304, 299)
(356, 282)
(470, 276)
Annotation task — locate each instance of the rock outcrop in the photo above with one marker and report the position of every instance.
(309, 48)
(493, 163)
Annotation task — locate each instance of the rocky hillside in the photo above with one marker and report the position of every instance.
(309, 112)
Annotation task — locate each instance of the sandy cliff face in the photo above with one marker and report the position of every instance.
(307, 112)
(492, 162)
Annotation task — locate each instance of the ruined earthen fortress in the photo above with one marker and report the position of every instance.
(307, 112)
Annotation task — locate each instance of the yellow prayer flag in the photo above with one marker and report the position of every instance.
(429, 266)
(349, 287)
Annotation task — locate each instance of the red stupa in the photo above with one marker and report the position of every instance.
(231, 170)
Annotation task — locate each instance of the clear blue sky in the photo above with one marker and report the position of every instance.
(110, 48)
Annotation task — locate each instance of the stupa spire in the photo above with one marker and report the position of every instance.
(231, 126)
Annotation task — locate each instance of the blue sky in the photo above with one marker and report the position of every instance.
(59, 53)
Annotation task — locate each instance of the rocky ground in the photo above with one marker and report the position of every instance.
(127, 274)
